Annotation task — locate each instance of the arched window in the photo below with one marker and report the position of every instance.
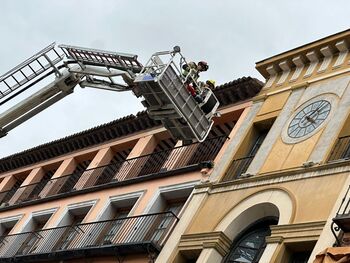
(250, 245)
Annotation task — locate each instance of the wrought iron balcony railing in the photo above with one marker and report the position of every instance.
(155, 163)
(126, 235)
(237, 168)
(341, 221)
(341, 149)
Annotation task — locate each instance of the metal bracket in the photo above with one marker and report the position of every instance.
(309, 164)
(78, 227)
(57, 72)
(3, 241)
(152, 255)
(101, 84)
(334, 229)
(120, 259)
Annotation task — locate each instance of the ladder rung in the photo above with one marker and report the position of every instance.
(31, 68)
(37, 60)
(15, 79)
(23, 74)
(7, 84)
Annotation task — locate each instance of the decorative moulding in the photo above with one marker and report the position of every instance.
(286, 67)
(296, 232)
(272, 70)
(313, 57)
(299, 62)
(217, 240)
(327, 52)
(343, 48)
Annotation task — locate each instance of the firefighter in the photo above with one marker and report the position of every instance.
(210, 84)
(191, 74)
(203, 88)
(194, 69)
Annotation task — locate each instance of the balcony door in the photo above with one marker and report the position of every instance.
(32, 239)
(115, 227)
(164, 222)
(70, 233)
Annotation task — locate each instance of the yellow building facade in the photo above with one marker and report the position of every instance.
(279, 192)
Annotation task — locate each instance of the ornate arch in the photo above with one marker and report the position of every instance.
(270, 202)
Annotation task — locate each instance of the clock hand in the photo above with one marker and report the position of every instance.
(322, 107)
(310, 119)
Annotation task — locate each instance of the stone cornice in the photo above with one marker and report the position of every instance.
(273, 178)
(302, 50)
(217, 240)
(295, 232)
(300, 84)
(307, 62)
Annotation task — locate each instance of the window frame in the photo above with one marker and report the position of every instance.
(263, 223)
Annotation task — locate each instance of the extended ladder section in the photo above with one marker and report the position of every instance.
(26, 75)
(30, 69)
(167, 99)
(101, 67)
(97, 57)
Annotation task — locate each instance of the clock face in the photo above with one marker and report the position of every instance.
(309, 118)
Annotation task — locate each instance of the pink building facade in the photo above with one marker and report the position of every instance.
(114, 192)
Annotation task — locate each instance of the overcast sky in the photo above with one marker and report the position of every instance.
(231, 35)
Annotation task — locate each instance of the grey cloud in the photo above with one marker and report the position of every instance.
(230, 35)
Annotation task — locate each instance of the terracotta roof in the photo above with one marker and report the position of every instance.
(238, 90)
(229, 93)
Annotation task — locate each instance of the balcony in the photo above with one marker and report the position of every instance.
(341, 221)
(131, 235)
(341, 149)
(163, 163)
(342, 218)
(237, 168)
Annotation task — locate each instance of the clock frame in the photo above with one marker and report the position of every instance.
(309, 118)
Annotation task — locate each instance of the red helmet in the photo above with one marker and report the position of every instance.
(204, 65)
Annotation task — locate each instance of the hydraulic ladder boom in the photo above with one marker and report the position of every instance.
(161, 84)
